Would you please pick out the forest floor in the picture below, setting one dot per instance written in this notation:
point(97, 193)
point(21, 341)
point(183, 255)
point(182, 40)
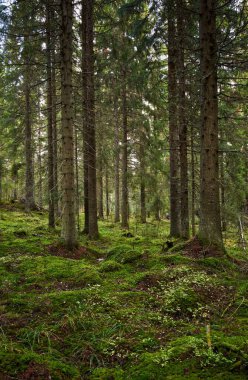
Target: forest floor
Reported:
point(120, 307)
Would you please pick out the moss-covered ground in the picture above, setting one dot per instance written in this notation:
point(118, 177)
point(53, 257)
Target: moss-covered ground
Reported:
point(127, 310)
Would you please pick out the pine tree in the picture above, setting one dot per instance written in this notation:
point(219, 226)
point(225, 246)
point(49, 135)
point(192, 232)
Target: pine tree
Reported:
point(67, 148)
point(210, 221)
point(90, 194)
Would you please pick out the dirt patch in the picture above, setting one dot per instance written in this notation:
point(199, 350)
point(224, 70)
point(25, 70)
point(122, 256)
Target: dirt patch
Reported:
point(11, 324)
point(5, 377)
point(21, 234)
point(241, 264)
point(14, 206)
point(78, 253)
point(59, 286)
point(35, 372)
point(196, 250)
point(149, 281)
point(218, 296)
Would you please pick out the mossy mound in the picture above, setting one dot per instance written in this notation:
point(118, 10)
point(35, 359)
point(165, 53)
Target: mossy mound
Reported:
point(110, 266)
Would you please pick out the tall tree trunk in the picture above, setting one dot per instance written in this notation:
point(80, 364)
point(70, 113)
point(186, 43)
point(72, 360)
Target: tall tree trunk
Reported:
point(210, 220)
point(55, 137)
point(142, 184)
point(100, 190)
point(51, 215)
point(89, 110)
point(222, 186)
point(107, 192)
point(85, 121)
point(15, 180)
point(86, 184)
point(124, 205)
point(77, 180)
point(40, 182)
point(173, 127)
point(117, 163)
point(184, 197)
point(67, 149)
point(193, 187)
point(29, 184)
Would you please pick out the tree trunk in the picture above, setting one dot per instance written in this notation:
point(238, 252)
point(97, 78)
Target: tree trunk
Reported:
point(89, 110)
point(184, 198)
point(51, 215)
point(173, 127)
point(67, 149)
point(55, 137)
point(142, 184)
point(40, 182)
point(210, 220)
point(77, 180)
point(222, 193)
point(117, 163)
point(124, 208)
point(29, 183)
point(193, 187)
point(100, 190)
point(107, 192)
point(85, 122)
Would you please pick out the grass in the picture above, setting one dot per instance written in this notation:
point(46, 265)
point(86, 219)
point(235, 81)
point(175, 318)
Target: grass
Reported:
point(131, 311)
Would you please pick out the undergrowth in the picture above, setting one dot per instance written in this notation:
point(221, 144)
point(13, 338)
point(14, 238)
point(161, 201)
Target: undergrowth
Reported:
point(130, 311)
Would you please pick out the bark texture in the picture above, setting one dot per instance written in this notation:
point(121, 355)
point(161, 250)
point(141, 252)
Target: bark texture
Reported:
point(193, 182)
point(142, 183)
point(124, 188)
point(54, 121)
point(50, 135)
point(67, 149)
point(100, 190)
point(117, 163)
point(29, 178)
point(184, 198)
point(210, 220)
point(107, 192)
point(89, 118)
point(173, 126)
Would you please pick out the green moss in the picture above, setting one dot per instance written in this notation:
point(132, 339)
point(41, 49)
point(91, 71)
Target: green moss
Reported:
point(119, 250)
point(110, 266)
point(175, 259)
point(18, 361)
point(178, 247)
point(215, 263)
point(125, 254)
point(129, 256)
point(139, 314)
point(107, 374)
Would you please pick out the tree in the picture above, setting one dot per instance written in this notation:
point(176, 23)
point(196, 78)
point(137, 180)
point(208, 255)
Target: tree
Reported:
point(210, 220)
point(29, 188)
point(89, 117)
point(67, 148)
point(124, 186)
point(50, 115)
point(173, 126)
point(182, 121)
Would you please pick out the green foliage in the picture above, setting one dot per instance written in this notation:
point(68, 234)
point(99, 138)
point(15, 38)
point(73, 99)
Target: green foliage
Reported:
point(107, 374)
point(124, 254)
point(138, 314)
point(110, 266)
